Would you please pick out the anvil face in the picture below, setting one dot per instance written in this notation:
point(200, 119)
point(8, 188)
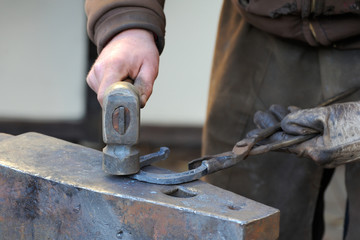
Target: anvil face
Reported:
point(53, 189)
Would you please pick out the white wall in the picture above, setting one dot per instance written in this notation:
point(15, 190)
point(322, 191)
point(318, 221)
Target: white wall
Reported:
point(42, 59)
point(180, 93)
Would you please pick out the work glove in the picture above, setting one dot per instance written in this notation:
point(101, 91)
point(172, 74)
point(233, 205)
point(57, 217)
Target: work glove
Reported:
point(338, 128)
point(273, 116)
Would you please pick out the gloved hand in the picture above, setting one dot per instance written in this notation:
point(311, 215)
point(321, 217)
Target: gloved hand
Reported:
point(339, 138)
point(338, 126)
point(130, 54)
point(269, 118)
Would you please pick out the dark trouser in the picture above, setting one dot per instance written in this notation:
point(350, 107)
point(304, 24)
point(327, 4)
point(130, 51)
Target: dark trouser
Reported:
point(251, 71)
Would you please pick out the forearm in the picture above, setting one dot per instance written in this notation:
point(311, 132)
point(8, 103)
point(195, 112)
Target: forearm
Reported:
point(107, 18)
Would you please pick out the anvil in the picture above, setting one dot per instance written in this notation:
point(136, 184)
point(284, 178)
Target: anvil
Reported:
point(53, 189)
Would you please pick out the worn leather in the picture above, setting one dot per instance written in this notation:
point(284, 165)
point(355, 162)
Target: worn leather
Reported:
point(251, 71)
point(338, 125)
point(332, 23)
point(270, 118)
point(337, 128)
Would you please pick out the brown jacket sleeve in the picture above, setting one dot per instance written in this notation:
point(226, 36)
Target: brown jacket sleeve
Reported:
point(106, 18)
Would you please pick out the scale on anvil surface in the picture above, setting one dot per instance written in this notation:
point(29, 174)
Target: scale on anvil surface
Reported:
point(53, 189)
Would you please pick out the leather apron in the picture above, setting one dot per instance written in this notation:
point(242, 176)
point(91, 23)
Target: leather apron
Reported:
point(251, 71)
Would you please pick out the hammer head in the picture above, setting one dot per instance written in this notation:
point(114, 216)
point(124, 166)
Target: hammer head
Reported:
point(121, 123)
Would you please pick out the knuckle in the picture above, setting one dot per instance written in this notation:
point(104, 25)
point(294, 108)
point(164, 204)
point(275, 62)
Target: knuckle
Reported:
point(98, 69)
point(91, 81)
point(258, 115)
point(276, 108)
point(155, 70)
point(90, 76)
point(100, 98)
point(148, 89)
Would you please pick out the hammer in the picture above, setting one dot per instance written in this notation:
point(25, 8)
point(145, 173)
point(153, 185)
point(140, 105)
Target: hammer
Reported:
point(120, 125)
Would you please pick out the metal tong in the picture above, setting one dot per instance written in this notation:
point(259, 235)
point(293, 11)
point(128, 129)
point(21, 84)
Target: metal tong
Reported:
point(210, 164)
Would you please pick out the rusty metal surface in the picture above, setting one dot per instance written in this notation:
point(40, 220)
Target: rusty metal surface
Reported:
point(121, 125)
point(52, 189)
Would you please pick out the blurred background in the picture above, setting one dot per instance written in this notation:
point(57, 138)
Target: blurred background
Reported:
point(45, 56)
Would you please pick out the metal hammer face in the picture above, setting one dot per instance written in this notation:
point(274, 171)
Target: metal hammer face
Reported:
point(121, 123)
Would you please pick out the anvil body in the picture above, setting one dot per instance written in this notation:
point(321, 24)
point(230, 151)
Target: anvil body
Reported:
point(53, 189)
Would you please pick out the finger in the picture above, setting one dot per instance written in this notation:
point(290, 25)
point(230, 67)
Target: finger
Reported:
point(278, 111)
point(302, 122)
point(108, 79)
point(253, 132)
point(264, 119)
point(92, 81)
point(293, 109)
point(281, 136)
point(105, 71)
point(276, 138)
point(144, 81)
point(295, 129)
